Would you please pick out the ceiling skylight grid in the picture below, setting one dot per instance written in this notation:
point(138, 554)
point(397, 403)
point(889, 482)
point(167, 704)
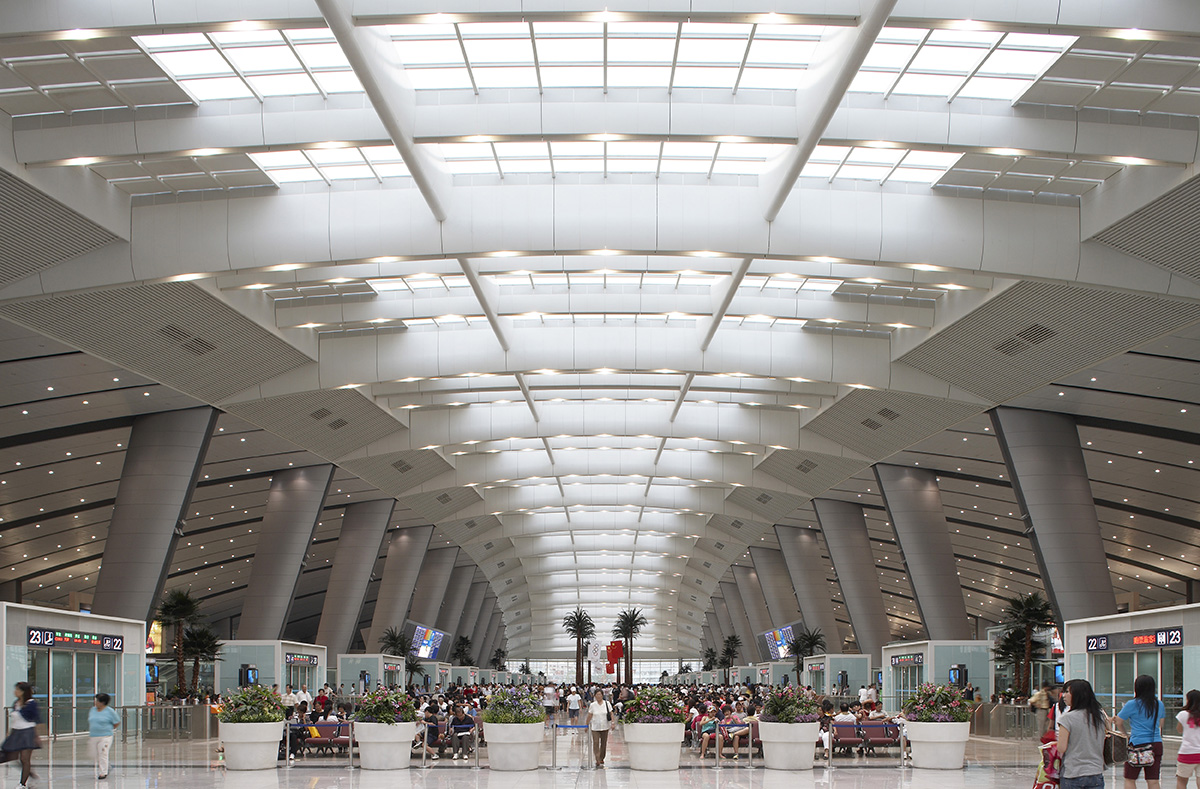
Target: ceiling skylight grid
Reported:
point(254, 63)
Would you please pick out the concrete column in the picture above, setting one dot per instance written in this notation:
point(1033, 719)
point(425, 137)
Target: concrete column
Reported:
point(706, 640)
point(755, 604)
point(741, 622)
point(802, 554)
point(914, 503)
point(293, 507)
point(493, 634)
point(724, 620)
point(470, 613)
point(1050, 479)
point(776, 586)
point(456, 596)
point(845, 530)
point(432, 583)
point(162, 464)
point(364, 525)
point(406, 551)
point(714, 629)
point(483, 618)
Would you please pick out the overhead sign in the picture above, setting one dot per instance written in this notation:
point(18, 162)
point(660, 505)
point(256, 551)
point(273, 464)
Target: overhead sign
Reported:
point(816, 666)
point(914, 659)
point(392, 666)
point(67, 639)
point(777, 642)
point(1136, 639)
point(297, 659)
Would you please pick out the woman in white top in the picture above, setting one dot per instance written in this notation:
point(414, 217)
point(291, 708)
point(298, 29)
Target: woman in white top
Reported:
point(1187, 723)
point(598, 715)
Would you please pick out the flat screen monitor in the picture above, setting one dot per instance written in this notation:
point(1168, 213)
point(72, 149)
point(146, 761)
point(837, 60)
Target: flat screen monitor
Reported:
point(151, 674)
point(777, 642)
point(427, 642)
point(1060, 675)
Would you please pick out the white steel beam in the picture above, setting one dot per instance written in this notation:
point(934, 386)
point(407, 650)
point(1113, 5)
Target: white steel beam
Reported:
point(377, 65)
point(816, 104)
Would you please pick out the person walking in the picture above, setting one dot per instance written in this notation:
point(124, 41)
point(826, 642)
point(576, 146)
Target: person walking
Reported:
point(22, 737)
point(599, 721)
point(1187, 723)
point(1081, 732)
point(103, 720)
point(1040, 704)
point(1142, 716)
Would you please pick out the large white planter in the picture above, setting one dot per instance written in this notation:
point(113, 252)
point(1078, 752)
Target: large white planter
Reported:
point(653, 746)
point(384, 747)
point(251, 746)
point(788, 746)
point(513, 746)
point(938, 746)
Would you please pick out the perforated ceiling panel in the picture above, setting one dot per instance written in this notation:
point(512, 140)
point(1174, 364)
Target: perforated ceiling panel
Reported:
point(877, 423)
point(1163, 232)
point(37, 231)
point(331, 423)
point(397, 472)
point(172, 332)
point(1035, 332)
point(770, 504)
point(812, 472)
point(438, 505)
point(741, 529)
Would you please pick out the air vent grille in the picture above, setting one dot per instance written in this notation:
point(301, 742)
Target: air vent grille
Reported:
point(338, 424)
point(889, 414)
point(321, 413)
point(443, 498)
point(403, 466)
point(806, 467)
point(737, 524)
point(471, 524)
point(720, 546)
point(487, 546)
point(851, 420)
point(763, 498)
point(871, 424)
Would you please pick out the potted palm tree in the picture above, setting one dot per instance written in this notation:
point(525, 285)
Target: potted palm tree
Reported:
point(628, 627)
point(513, 721)
point(580, 627)
point(383, 726)
point(789, 727)
point(179, 609)
point(461, 655)
point(709, 660)
point(1026, 614)
point(938, 724)
point(200, 644)
point(251, 728)
point(653, 726)
point(396, 643)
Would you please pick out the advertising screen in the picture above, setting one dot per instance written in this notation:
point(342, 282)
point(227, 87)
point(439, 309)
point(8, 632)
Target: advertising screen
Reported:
point(427, 642)
point(777, 642)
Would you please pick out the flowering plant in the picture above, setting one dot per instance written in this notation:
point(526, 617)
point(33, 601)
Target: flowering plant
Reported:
point(937, 704)
point(787, 705)
point(254, 704)
point(655, 705)
point(385, 706)
point(513, 705)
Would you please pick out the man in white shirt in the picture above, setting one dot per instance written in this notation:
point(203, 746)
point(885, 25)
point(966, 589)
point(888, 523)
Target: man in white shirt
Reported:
point(862, 694)
point(573, 702)
point(550, 702)
point(304, 695)
point(288, 699)
point(598, 723)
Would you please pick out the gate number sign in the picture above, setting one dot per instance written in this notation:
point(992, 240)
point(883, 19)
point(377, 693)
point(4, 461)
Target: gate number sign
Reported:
point(1143, 639)
point(65, 639)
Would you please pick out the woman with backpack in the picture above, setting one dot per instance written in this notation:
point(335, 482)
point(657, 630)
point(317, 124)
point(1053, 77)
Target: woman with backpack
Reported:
point(1143, 715)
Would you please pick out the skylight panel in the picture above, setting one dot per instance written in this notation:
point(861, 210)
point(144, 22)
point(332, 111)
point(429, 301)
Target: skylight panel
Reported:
point(283, 84)
point(577, 149)
point(642, 29)
point(254, 59)
point(770, 78)
point(912, 35)
point(572, 77)
point(781, 52)
point(1038, 41)
point(347, 172)
point(716, 30)
point(174, 41)
point(935, 159)
point(465, 150)
point(829, 153)
point(506, 77)
point(194, 63)
point(638, 76)
point(320, 56)
point(860, 172)
point(879, 156)
point(823, 285)
point(272, 159)
point(579, 165)
point(640, 50)
point(928, 84)
point(954, 60)
point(309, 34)
point(889, 56)
point(471, 166)
point(994, 88)
point(725, 166)
point(978, 38)
point(1017, 62)
point(338, 81)
point(432, 52)
point(381, 153)
point(298, 174)
point(711, 50)
point(872, 82)
point(324, 156)
point(221, 88)
point(686, 165)
point(692, 77)
point(391, 170)
point(632, 165)
point(482, 52)
point(439, 78)
point(569, 50)
point(818, 170)
point(516, 165)
point(247, 37)
point(635, 149)
point(507, 150)
point(689, 149)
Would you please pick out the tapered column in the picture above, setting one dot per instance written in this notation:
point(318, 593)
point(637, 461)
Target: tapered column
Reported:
point(724, 620)
point(364, 525)
point(431, 585)
point(162, 464)
point(741, 622)
point(707, 640)
point(802, 554)
point(455, 598)
point(914, 503)
point(845, 530)
point(406, 551)
point(470, 613)
point(776, 586)
point(493, 633)
point(482, 620)
point(714, 627)
point(293, 508)
point(755, 604)
point(1050, 479)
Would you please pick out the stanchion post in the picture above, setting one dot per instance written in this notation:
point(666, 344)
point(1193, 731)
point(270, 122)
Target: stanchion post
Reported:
point(553, 745)
point(424, 743)
point(350, 748)
point(478, 740)
point(287, 744)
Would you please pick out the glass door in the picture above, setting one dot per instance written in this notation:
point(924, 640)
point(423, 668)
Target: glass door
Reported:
point(39, 678)
point(85, 687)
point(62, 691)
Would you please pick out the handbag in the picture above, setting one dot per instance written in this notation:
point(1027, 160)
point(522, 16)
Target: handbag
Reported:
point(1140, 755)
point(608, 712)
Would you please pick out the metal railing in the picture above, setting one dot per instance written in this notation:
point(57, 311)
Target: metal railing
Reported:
point(149, 721)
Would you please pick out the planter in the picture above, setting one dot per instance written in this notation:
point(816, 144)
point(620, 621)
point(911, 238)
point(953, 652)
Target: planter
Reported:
point(653, 746)
point(788, 746)
point(384, 747)
point(938, 746)
point(251, 746)
point(514, 746)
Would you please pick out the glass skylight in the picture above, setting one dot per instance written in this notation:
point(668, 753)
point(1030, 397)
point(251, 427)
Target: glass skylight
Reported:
point(254, 63)
point(702, 158)
point(332, 163)
point(953, 63)
point(878, 164)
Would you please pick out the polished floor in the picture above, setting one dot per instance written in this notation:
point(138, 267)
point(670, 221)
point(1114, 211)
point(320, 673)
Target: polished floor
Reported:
point(63, 764)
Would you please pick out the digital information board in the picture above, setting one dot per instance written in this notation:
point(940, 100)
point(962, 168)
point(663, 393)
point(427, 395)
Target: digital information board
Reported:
point(777, 642)
point(1136, 639)
point(427, 642)
point(298, 659)
point(915, 659)
point(66, 639)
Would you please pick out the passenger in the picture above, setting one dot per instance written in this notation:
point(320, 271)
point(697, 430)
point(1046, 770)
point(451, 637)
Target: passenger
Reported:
point(22, 737)
point(1187, 723)
point(1143, 714)
point(462, 732)
point(1081, 738)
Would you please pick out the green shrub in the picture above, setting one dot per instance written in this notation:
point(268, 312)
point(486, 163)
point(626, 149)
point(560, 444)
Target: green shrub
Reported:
point(254, 704)
point(513, 705)
point(385, 706)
